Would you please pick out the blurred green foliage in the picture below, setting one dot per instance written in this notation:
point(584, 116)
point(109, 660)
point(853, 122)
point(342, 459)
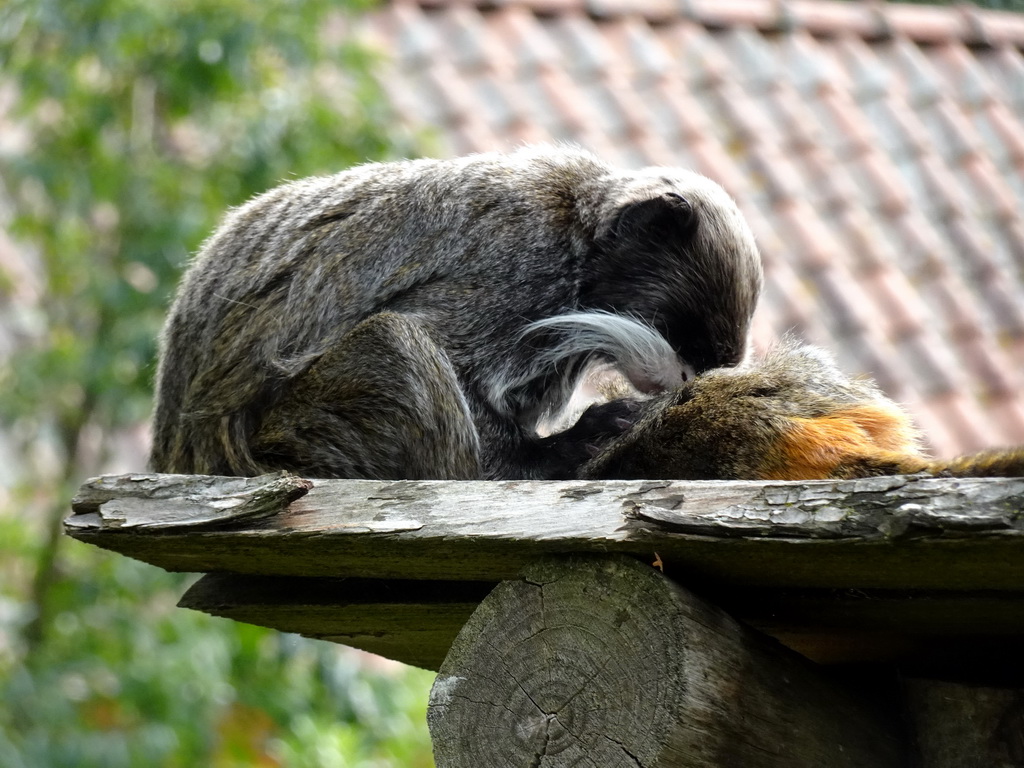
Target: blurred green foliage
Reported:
point(148, 119)
point(127, 679)
point(129, 127)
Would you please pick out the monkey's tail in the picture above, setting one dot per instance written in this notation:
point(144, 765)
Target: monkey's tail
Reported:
point(997, 462)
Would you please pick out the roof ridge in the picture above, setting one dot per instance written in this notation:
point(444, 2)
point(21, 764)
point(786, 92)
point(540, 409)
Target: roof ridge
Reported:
point(870, 19)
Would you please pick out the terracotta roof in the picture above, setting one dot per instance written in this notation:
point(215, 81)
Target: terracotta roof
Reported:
point(878, 151)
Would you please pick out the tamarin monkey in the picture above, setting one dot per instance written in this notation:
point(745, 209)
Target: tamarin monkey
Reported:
point(416, 319)
point(791, 416)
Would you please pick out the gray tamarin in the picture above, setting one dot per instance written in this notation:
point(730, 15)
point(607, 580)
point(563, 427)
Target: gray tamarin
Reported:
point(416, 319)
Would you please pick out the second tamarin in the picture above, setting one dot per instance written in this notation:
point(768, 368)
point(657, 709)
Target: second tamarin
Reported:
point(416, 319)
point(793, 415)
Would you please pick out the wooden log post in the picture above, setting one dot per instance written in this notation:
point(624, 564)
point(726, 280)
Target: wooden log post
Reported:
point(602, 661)
point(925, 572)
point(966, 726)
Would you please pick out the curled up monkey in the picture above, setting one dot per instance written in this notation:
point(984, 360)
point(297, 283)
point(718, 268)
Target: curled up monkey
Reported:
point(791, 416)
point(417, 319)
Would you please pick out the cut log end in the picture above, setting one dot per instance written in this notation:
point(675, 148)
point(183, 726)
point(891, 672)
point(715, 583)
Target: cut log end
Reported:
point(555, 672)
point(605, 662)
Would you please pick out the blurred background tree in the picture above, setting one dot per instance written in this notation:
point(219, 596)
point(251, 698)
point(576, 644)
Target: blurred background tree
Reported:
point(127, 127)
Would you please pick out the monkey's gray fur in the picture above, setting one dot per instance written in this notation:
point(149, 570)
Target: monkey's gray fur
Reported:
point(415, 319)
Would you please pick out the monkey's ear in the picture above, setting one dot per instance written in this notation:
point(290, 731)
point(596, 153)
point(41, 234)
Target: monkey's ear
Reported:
point(668, 215)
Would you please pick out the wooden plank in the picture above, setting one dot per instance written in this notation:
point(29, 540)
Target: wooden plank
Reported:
point(971, 635)
point(974, 635)
point(604, 662)
point(188, 502)
point(783, 532)
point(870, 533)
point(922, 612)
point(414, 622)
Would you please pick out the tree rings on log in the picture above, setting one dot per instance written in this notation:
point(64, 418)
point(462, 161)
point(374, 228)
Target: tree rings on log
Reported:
point(604, 662)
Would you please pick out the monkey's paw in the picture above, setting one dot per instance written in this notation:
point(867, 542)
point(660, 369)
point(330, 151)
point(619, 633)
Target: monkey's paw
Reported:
point(567, 451)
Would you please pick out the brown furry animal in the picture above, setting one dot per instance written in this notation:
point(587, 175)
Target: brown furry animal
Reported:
point(792, 416)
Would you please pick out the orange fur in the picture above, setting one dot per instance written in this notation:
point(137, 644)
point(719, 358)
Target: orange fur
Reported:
point(885, 423)
point(819, 447)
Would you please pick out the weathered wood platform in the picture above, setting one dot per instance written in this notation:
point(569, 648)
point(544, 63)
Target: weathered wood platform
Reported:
point(898, 568)
point(560, 642)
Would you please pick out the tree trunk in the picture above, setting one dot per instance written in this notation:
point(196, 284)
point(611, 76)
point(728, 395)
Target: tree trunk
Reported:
point(961, 726)
point(604, 662)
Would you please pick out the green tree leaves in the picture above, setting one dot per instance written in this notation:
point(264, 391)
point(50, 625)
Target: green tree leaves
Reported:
point(127, 127)
point(144, 121)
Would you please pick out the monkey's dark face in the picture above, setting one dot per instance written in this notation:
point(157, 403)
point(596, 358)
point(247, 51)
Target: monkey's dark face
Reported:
point(685, 263)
